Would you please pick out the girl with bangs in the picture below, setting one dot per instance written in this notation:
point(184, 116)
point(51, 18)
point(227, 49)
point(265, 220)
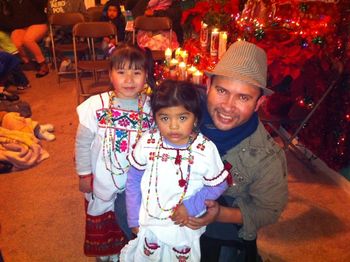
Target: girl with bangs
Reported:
point(110, 124)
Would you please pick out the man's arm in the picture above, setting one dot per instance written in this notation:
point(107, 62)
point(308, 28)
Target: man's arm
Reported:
point(215, 212)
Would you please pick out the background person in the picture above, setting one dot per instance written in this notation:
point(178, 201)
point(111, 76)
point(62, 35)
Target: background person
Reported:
point(29, 30)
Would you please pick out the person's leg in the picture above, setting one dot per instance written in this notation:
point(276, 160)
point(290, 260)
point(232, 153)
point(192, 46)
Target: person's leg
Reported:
point(17, 37)
point(121, 216)
point(32, 36)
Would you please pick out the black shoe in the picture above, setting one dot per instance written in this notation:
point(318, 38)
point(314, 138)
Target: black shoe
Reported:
point(4, 95)
point(43, 70)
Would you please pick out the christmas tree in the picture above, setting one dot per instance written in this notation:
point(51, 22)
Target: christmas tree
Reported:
point(307, 43)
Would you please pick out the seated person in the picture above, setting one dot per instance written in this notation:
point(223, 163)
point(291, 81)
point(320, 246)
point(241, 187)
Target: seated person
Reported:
point(29, 30)
point(11, 74)
point(112, 13)
point(169, 8)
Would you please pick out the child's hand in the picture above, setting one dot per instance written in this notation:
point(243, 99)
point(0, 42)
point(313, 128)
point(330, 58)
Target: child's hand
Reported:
point(85, 184)
point(135, 230)
point(180, 216)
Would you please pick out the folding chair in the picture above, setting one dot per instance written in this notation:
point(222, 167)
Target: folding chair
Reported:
point(94, 13)
point(153, 24)
point(64, 21)
point(93, 32)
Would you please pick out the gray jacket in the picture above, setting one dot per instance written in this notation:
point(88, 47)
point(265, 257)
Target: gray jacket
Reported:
point(259, 170)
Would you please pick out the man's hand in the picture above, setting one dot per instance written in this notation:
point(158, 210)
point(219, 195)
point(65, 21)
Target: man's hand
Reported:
point(135, 230)
point(180, 216)
point(213, 210)
point(85, 184)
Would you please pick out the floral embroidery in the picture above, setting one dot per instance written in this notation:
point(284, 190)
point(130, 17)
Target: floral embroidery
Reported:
point(151, 155)
point(124, 122)
point(151, 141)
point(120, 120)
point(191, 160)
point(201, 146)
point(182, 255)
point(149, 248)
point(165, 157)
point(134, 116)
point(124, 146)
point(120, 133)
point(116, 113)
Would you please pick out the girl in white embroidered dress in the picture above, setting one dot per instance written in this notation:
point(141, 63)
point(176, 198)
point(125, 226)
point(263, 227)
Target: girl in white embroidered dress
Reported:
point(169, 165)
point(109, 126)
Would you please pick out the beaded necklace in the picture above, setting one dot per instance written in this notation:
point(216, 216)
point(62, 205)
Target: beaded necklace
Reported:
point(108, 148)
point(182, 182)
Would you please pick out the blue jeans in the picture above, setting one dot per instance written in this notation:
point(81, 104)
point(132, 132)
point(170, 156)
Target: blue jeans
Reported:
point(120, 214)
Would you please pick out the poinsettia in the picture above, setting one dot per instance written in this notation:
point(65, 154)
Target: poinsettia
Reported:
point(215, 13)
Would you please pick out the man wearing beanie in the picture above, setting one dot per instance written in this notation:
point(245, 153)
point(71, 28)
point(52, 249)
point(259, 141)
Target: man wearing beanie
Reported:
point(258, 189)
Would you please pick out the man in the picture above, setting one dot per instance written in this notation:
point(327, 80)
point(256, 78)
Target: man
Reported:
point(258, 191)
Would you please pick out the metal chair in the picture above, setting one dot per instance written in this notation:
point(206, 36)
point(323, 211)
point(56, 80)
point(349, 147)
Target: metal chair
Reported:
point(97, 62)
point(94, 13)
point(64, 21)
point(153, 24)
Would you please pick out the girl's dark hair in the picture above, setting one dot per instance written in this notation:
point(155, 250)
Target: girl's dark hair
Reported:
point(177, 93)
point(138, 59)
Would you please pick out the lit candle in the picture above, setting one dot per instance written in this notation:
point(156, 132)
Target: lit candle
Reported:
point(191, 70)
point(184, 56)
point(197, 77)
point(173, 68)
point(222, 43)
point(178, 53)
point(204, 35)
point(168, 55)
point(182, 71)
point(214, 42)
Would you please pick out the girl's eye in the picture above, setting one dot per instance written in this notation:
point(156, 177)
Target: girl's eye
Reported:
point(164, 118)
point(120, 72)
point(183, 118)
point(137, 72)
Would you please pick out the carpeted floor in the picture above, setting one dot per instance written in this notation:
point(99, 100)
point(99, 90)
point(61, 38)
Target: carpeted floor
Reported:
point(42, 217)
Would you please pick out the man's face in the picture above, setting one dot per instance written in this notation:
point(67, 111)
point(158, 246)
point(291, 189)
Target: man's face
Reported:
point(231, 102)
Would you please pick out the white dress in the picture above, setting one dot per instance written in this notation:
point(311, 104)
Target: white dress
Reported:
point(115, 132)
point(170, 176)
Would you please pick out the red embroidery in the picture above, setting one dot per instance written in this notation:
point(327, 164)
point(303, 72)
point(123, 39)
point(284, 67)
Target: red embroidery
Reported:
point(201, 146)
point(151, 155)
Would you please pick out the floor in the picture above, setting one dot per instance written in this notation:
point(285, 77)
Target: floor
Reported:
point(42, 216)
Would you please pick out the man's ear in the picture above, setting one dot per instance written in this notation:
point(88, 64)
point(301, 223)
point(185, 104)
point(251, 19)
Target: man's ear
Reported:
point(209, 81)
point(259, 102)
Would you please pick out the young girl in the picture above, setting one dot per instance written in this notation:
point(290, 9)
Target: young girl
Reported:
point(109, 125)
point(171, 165)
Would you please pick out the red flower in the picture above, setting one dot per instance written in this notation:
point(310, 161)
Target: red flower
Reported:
point(134, 116)
point(123, 146)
